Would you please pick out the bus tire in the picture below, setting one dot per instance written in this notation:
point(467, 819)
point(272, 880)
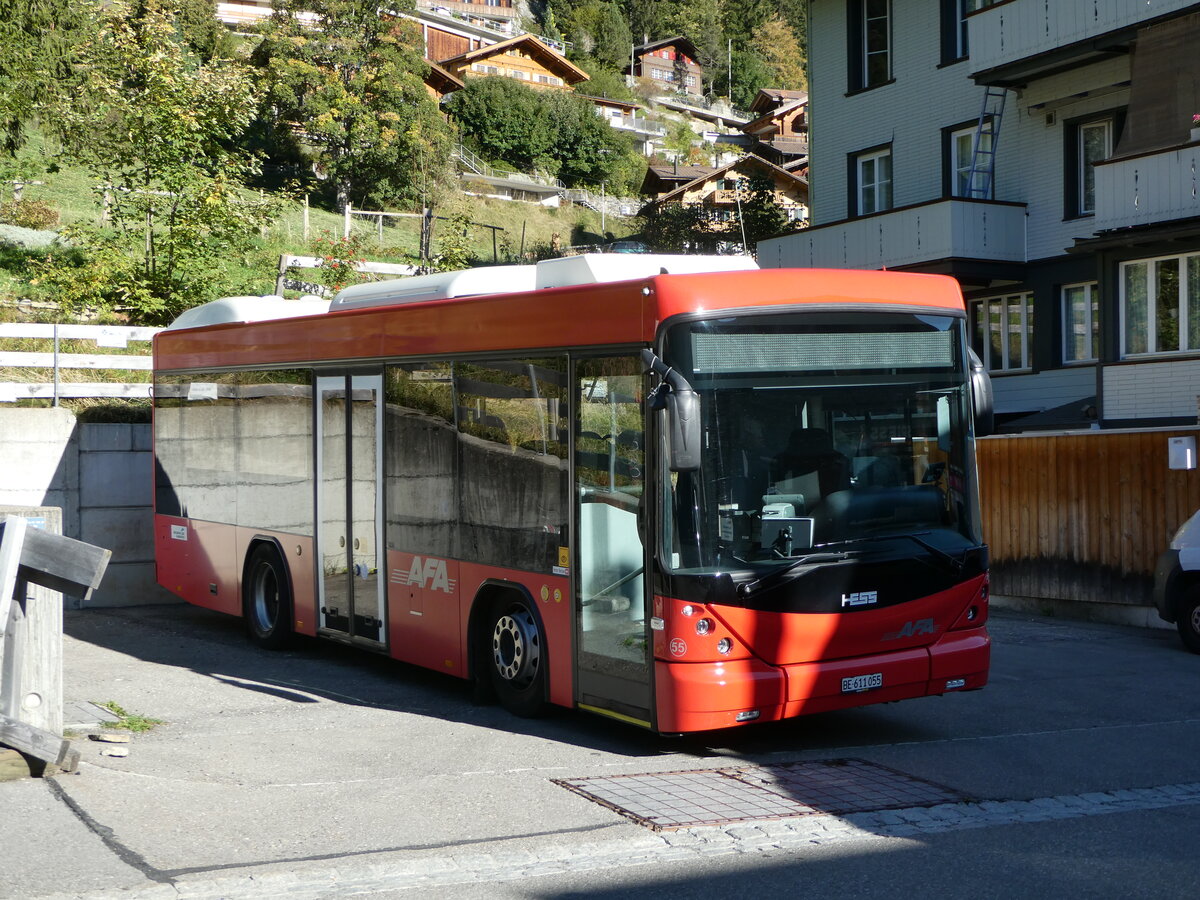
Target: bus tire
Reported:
point(267, 599)
point(1187, 618)
point(516, 656)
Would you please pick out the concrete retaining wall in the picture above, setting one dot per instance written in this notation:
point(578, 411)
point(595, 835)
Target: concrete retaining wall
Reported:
point(101, 476)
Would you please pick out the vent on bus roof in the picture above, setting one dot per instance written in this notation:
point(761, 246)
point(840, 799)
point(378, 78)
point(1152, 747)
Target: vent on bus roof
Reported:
point(597, 268)
point(439, 286)
point(590, 268)
point(248, 309)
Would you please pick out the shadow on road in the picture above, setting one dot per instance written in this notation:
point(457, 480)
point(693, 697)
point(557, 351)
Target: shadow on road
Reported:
point(214, 645)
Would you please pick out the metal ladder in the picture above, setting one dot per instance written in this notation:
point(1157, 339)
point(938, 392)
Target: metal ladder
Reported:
point(983, 158)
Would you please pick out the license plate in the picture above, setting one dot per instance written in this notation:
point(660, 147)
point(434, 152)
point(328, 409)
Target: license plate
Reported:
point(862, 683)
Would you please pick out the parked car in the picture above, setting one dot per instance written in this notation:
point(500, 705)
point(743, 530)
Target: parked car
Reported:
point(1177, 583)
point(626, 247)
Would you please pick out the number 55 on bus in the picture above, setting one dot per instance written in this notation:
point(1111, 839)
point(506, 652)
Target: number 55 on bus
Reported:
point(678, 491)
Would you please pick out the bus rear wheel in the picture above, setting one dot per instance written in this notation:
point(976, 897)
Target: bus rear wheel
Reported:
point(516, 657)
point(266, 599)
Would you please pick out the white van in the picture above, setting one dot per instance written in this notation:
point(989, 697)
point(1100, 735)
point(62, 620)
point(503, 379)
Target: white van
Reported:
point(1177, 583)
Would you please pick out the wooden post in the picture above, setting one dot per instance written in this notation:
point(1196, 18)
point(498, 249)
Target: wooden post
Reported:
point(36, 563)
point(31, 671)
point(305, 221)
point(283, 262)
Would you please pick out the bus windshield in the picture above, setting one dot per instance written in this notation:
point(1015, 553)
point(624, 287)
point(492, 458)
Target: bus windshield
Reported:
point(823, 433)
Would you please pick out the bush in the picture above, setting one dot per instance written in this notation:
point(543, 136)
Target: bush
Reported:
point(36, 214)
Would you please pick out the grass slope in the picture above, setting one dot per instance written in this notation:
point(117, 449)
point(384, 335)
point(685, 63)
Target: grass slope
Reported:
point(527, 228)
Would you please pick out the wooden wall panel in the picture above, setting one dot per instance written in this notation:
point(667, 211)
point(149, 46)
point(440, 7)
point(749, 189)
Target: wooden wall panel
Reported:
point(1082, 516)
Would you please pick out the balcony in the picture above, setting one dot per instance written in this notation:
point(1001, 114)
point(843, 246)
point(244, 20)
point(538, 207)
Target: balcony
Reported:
point(1148, 188)
point(1017, 41)
point(928, 236)
point(470, 10)
point(637, 124)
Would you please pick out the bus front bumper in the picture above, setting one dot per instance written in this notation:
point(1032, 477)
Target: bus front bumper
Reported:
point(711, 695)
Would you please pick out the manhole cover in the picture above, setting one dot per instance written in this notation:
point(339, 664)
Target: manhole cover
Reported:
point(664, 800)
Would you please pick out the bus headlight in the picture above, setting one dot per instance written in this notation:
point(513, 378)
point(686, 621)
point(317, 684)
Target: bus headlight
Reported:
point(704, 626)
point(724, 645)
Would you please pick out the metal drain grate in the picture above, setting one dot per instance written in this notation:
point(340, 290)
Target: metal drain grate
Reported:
point(665, 800)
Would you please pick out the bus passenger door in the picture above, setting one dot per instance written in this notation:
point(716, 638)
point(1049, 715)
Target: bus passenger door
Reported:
point(613, 661)
point(349, 414)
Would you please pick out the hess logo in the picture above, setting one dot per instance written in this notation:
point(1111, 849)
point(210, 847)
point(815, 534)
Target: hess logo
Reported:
point(426, 573)
point(861, 598)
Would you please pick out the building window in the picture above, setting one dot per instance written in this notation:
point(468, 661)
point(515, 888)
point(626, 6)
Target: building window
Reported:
point(1088, 141)
point(877, 42)
point(1002, 331)
point(954, 30)
point(873, 177)
point(1160, 305)
point(1081, 322)
point(1095, 145)
point(869, 31)
point(959, 158)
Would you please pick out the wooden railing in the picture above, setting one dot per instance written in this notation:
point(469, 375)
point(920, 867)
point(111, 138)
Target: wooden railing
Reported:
point(107, 336)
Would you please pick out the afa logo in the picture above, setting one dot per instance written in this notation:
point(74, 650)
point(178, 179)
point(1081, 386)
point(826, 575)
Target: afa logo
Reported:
point(426, 573)
point(911, 629)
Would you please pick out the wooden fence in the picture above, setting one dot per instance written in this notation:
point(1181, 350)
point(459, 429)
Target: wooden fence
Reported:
point(110, 336)
point(1082, 516)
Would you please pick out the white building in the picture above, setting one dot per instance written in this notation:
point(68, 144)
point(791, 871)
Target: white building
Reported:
point(1077, 240)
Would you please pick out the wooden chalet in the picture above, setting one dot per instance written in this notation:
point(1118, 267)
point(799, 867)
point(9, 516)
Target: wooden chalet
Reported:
point(662, 180)
point(671, 64)
point(439, 82)
point(721, 190)
point(524, 58)
point(781, 129)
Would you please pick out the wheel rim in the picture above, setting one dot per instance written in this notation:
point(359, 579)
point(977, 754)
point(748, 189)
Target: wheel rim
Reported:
point(516, 653)
point(1195, 620)
point(265, 597)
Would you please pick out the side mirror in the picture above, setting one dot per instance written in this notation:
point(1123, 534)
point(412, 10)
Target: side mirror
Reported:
point(683, 420)
point(682, 404)
point(981, 397)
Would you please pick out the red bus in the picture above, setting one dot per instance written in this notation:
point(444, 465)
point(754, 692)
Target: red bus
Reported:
point(679, 491)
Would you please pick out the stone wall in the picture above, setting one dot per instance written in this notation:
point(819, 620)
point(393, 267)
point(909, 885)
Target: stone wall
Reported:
point(101, 478)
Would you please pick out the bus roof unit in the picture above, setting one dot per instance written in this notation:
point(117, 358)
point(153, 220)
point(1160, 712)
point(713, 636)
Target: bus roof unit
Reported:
point(567, 271)
point(248, 309)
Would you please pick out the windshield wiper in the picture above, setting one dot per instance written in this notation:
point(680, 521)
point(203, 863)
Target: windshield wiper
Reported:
point(746, 588)
point(955, 563)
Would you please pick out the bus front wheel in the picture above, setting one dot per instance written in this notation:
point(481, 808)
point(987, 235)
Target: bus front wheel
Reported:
point(266, 599)
point(516, 657)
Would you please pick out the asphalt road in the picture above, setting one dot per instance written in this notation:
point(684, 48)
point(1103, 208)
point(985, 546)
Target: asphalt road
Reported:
point(324, 772)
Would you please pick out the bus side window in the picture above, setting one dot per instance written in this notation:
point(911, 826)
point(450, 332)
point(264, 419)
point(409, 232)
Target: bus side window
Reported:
point(512, 459)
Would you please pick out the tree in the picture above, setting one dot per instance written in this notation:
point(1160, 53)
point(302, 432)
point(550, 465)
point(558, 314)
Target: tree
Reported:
point(553, 131)
point(350, 79)
point(503, 120)
point(603, 81)
point(39, 41)
point(762, 216)
point(613, 38)
point(776, 45)
point(157, 128)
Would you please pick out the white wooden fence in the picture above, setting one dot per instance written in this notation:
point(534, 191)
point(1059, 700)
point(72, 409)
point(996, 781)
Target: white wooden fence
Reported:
point(110, 336)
